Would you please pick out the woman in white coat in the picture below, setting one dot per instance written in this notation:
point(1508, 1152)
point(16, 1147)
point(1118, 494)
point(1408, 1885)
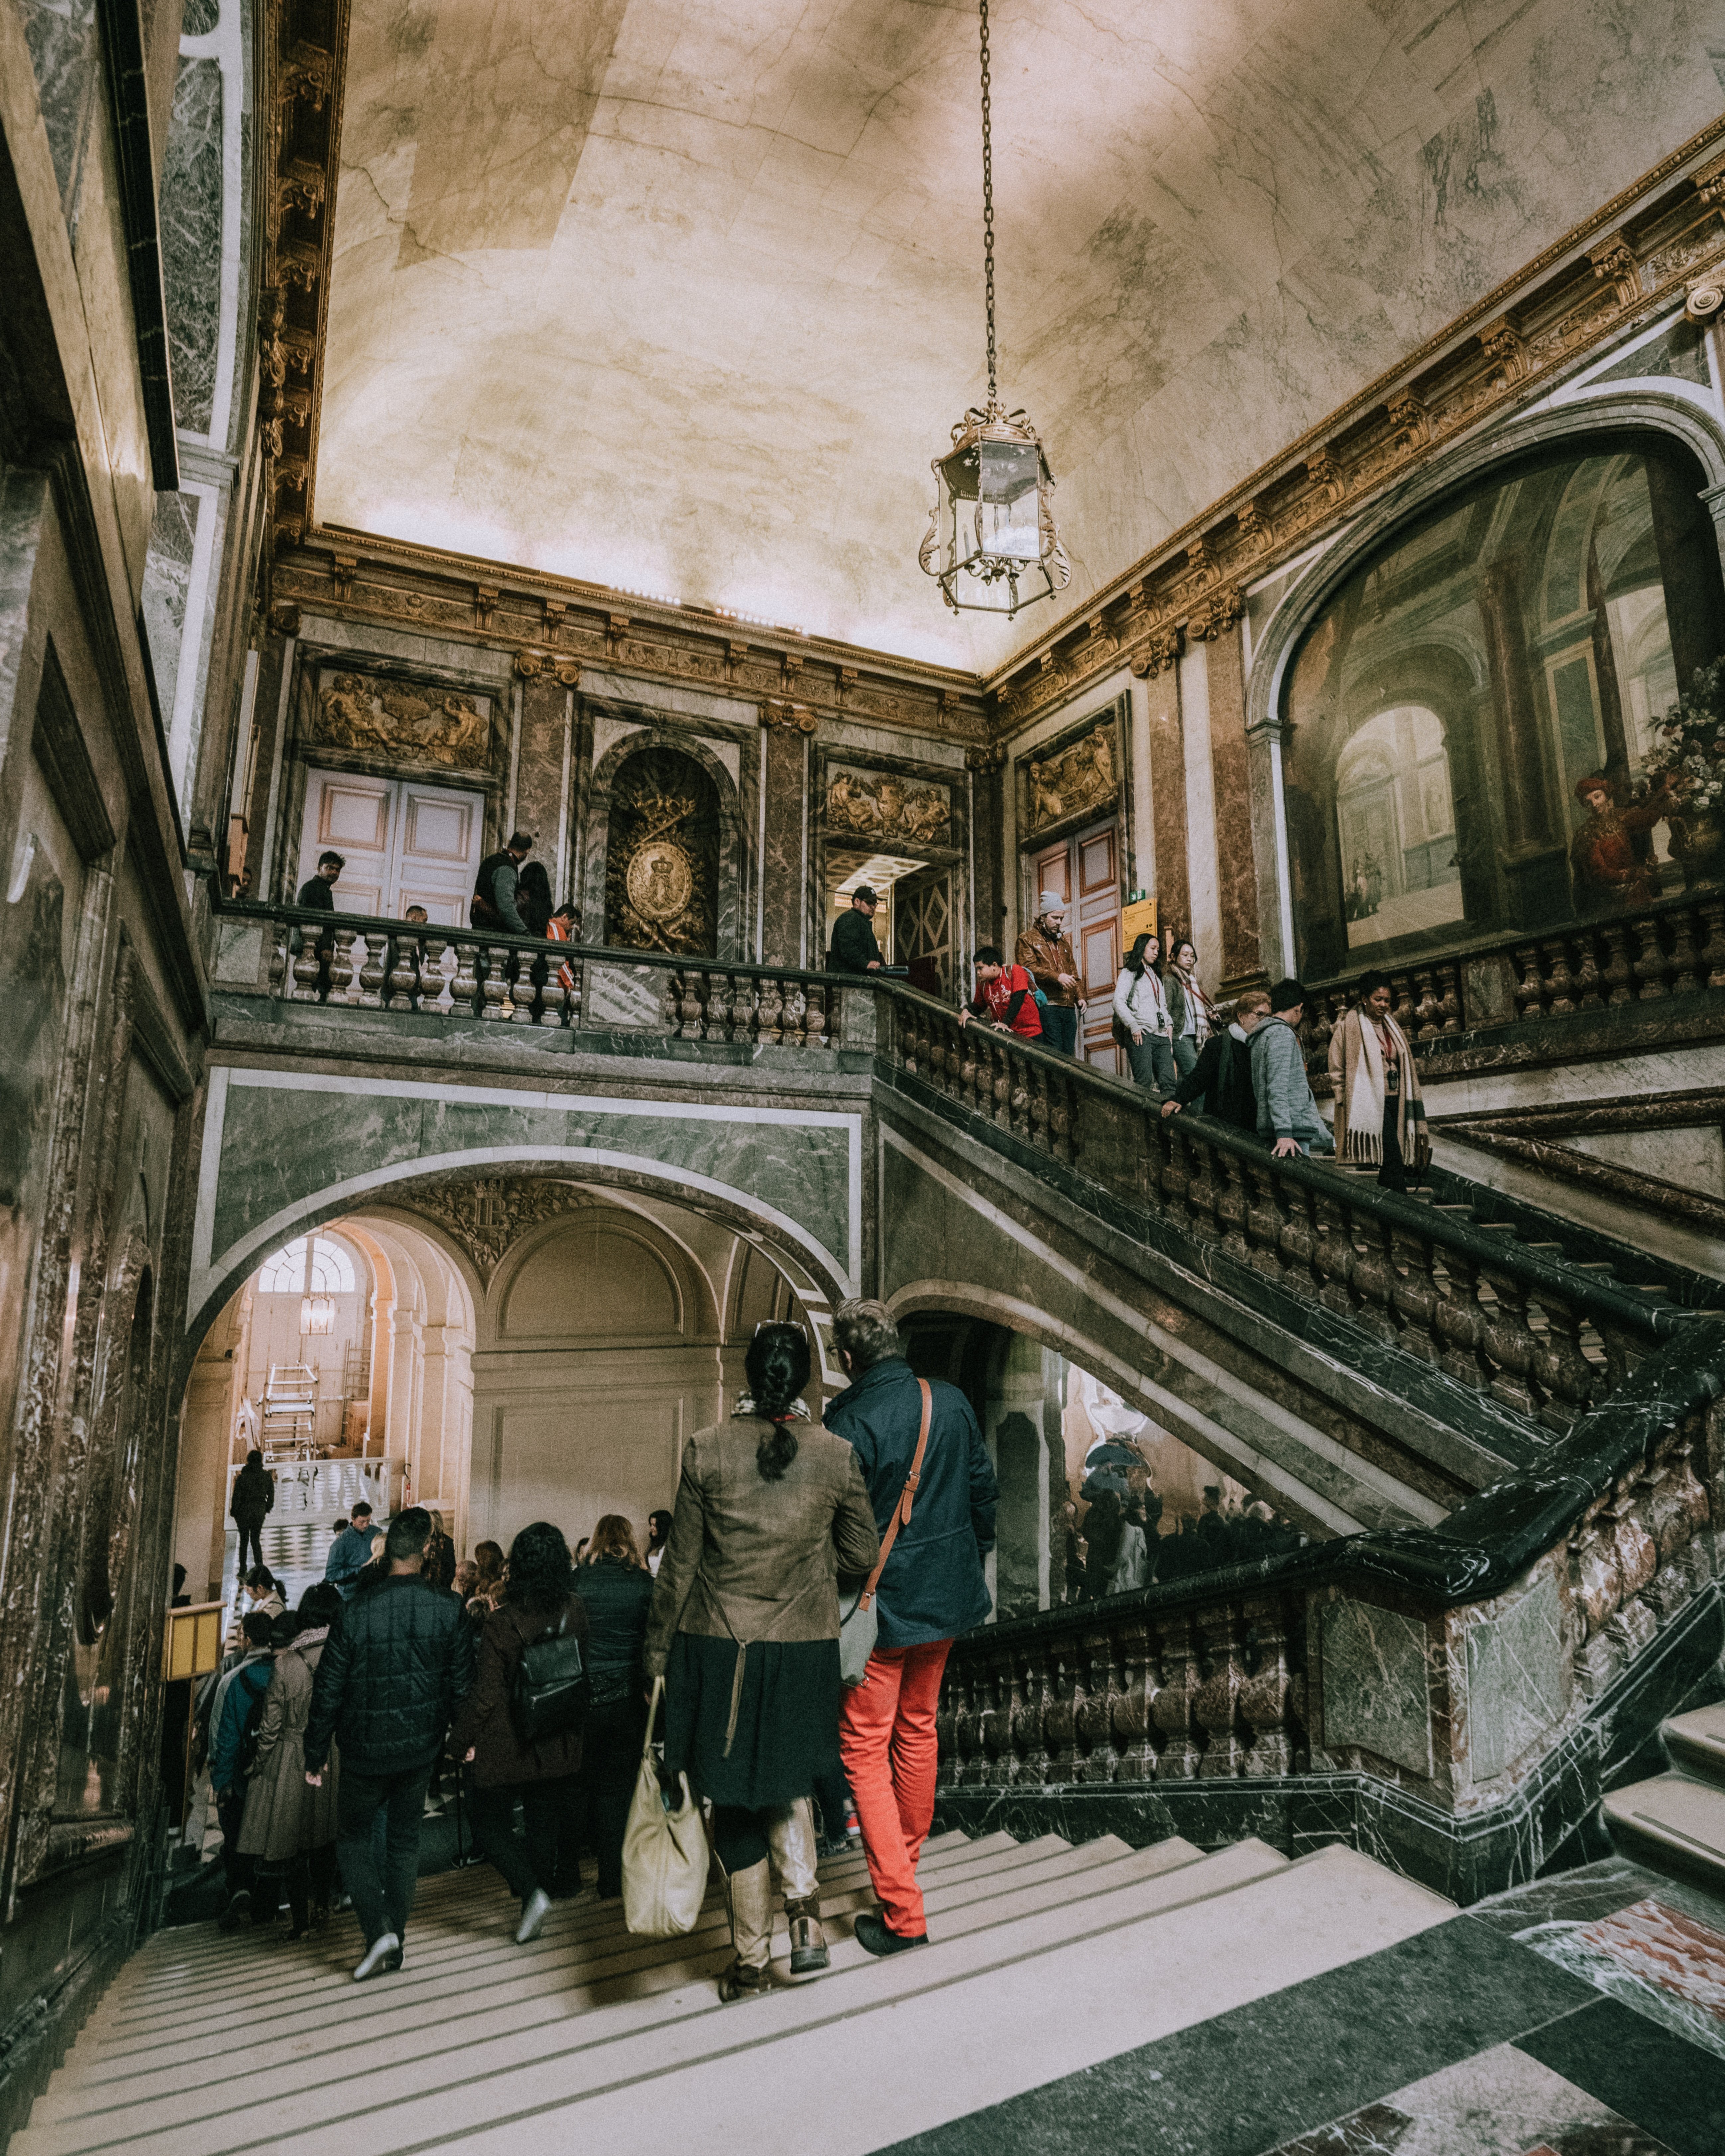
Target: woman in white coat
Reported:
point(1380, 1116)
point(1142, 1024)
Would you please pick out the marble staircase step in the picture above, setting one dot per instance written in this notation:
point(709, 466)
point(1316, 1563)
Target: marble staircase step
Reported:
point(1697, 1743)
point(1673, 1822)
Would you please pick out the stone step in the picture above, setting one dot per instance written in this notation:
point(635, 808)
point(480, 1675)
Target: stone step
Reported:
point(1673, 1822)
point(407, 2100)
point(1697, 1743)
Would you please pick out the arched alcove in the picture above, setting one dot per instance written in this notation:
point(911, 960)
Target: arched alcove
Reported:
point(659, 792)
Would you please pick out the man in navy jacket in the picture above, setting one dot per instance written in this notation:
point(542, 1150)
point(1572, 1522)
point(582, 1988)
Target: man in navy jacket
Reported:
point(933, 1588)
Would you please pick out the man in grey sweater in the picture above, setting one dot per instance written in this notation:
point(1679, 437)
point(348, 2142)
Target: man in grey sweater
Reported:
point(1287, 1113)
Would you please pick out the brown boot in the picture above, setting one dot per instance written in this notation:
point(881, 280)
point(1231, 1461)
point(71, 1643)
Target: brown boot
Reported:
point(748, 1898)
point(809, 1942)
point(791, 1839)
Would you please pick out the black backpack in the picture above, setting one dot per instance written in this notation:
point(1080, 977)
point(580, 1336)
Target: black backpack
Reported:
point(552, 1690)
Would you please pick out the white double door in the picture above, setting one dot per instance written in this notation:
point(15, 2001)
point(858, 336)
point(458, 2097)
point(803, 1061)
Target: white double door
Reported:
point(405, 843)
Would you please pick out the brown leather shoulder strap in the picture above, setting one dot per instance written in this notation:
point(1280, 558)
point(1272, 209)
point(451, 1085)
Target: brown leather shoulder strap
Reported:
point(907, 1497)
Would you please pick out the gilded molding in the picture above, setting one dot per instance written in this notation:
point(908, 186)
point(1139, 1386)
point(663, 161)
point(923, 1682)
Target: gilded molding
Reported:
point(1618, 271)
point(775, 711)
point(529, 664)
point(1159, 653)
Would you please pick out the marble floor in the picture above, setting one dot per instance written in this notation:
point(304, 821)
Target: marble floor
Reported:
point(1582, 2016)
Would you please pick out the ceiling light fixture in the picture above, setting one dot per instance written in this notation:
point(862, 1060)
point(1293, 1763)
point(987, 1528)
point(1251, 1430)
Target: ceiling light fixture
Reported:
point(992, 525)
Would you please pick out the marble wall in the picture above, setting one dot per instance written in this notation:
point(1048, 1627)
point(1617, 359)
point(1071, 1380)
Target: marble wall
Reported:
point(191, 239)
point(62, 38)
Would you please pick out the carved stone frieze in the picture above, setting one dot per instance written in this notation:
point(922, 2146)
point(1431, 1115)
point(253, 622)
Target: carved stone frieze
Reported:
point(1082, 777)
point(1218, 615)
point(878, 805)
point(1159, 652)
point(368, 714)
point(484, 1218)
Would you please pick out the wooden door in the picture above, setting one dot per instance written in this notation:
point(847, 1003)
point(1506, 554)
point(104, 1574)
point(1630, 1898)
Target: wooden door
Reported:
point(404, 844)
point(1095, 939)
point(923, 927)
point(1084, 873)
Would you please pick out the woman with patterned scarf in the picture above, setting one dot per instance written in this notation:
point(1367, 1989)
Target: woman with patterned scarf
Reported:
point(1379, 1115)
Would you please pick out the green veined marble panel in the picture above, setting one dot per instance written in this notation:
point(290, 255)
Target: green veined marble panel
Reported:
point(1516, 1681)
point(1375, 1684)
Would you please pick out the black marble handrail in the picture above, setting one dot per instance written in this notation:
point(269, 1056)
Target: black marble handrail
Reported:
point(1485, 1543)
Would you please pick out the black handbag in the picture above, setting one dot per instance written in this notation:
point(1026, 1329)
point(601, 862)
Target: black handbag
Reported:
point(552, 1690)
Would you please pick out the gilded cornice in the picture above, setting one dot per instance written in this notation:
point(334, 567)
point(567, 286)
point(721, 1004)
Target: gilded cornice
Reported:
point(1618, 271)
point(302, 48)
point(557, 626)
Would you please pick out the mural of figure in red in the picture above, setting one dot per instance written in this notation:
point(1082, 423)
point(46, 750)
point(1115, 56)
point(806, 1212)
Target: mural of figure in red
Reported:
point(1606, 862)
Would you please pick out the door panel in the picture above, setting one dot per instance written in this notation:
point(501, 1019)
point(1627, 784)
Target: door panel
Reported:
point(404, 844)
point(923, 925)
point(1097, 940)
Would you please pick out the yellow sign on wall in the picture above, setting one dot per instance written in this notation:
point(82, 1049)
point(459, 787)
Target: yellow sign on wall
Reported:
point(1138, 919)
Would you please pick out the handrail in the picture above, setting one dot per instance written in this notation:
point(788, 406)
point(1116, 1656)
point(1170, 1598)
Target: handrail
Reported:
point(1595, 1299)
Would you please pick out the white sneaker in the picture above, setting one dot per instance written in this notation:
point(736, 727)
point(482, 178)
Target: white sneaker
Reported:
point(375, 1954)
point(534, 1911)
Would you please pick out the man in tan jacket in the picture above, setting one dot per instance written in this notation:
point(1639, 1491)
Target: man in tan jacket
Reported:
point(1044, 951)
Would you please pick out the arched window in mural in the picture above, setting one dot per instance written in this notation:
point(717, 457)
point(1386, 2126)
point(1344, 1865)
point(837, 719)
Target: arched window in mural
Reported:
point(662, 856)
point(1513, 714)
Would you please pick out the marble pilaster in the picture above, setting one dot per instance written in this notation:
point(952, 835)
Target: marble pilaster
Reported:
point(167, 579)
point(64, 52)
point(1236, 866)
point(784, 848)
point(1168, 794)
point(191, 239)
point(539, 772)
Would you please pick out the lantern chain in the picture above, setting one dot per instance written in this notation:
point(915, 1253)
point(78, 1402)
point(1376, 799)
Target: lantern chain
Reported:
point(988, 199)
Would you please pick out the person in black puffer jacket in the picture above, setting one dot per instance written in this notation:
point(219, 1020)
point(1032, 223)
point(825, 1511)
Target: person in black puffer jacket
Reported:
point(617, 1589)
point(391, 1678)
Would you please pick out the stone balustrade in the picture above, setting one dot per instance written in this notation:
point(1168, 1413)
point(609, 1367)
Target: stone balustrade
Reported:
point(462, 975)
point(1508, 1321)
point(1675, 949)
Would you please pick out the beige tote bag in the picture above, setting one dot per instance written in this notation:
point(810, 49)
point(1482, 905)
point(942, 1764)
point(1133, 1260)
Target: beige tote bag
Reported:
point(665, 1853)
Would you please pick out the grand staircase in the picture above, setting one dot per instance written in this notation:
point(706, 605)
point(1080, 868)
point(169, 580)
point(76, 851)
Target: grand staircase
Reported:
point(1046, 1959)
point(1675, 1822)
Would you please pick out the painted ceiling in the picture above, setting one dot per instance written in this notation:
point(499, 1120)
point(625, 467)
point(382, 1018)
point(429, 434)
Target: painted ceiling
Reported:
point(681, 297)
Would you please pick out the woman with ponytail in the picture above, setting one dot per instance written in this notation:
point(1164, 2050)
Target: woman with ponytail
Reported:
point(771, 1512)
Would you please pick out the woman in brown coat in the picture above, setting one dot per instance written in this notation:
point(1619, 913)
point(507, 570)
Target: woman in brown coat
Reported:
point(744, 1630)
point(1380, 1116)
point(288, 1826)
point(538, 1598)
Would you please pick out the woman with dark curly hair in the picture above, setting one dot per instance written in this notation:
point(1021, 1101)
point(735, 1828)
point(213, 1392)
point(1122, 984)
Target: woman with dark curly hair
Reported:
point(744, 1630)
point(538, 1598)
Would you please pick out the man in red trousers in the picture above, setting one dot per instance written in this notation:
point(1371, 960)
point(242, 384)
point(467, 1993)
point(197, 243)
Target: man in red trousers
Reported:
point(932, 1588)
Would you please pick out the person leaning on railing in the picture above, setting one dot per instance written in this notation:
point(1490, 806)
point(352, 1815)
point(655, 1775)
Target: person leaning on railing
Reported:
point(1287, 1113)
point(1004, 996)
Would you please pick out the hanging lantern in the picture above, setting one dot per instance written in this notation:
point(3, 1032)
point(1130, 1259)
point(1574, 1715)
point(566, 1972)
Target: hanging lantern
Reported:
point(990, 543)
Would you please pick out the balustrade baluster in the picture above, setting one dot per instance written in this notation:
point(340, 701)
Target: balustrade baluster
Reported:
point(1616, 972)
point(1097, 1761)
point(692, 1016)
point(1215, 1699)
point(1652, 967)
point(1134, 1707)
point(768, 1014)
point(1405, 1010)
point(945, 1718)
point(1266, 1699)
point(342, 989)
point(1299, 1237)
point(1686, 958)
point(814, 1025)
point(796, 1005)
point(1036, 1083)
point(1062, 1116)
point(745, 1009)
point(1265, 1219)
point(1178, 1755)
point(995, 1720)
point(500, 1003)
point(464, 987)
point(1323, 1024)
point(1453, 1016)
point(1530, 989)
point(1332, 1258)
point(1460, 1322)
point(1425, 1010)
point(967, 1736)
point(551, 998)
point(1059, 1711)
point(431, 986)
point(403, 976)
point(1028, 1744)
point(718, 1006)
point(1415, 1295)
point(1203, 1194)
point(1563, 1371)
point(1018, 1096)
point(1559, 985)
point(577, 981)
point(1373, 1279)
point(1508, 1341)
point(1233, 1201)
point(999, 1080)
point(278, 959)
point(308, 965)
point(1588, 980)
point(372, 972)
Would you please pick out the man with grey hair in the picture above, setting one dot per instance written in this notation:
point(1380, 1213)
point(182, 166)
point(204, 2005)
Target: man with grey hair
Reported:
point(1044, 951)
point(932, 1588)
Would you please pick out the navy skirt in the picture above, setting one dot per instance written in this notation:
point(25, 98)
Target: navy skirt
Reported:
point(787, 1730)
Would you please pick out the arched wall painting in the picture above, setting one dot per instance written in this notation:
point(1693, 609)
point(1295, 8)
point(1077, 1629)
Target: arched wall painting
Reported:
point(662, 856)
point(1513, 715)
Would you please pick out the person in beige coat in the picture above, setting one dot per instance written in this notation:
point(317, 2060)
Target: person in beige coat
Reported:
point(1379, 1114)
point(289, 1826)
point(744, 1630)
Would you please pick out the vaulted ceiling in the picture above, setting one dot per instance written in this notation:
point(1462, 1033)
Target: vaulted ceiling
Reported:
point(681, 297)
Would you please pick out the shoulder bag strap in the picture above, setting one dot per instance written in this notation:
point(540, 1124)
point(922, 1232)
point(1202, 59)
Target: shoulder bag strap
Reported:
point(907, 1495)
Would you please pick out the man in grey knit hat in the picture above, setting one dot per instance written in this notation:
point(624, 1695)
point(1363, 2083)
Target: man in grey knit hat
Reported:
point(1044, 951)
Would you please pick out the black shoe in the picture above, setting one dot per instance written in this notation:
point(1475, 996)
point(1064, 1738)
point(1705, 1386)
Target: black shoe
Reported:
point(238, 1907)
point(874, 1938)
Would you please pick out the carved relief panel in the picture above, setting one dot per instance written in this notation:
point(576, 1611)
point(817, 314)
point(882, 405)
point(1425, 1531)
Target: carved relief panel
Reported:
point(1074, 778)
point(880, 806)
point(418, 722)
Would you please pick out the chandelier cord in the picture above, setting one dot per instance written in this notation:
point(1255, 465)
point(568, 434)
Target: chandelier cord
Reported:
point(988, 199)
